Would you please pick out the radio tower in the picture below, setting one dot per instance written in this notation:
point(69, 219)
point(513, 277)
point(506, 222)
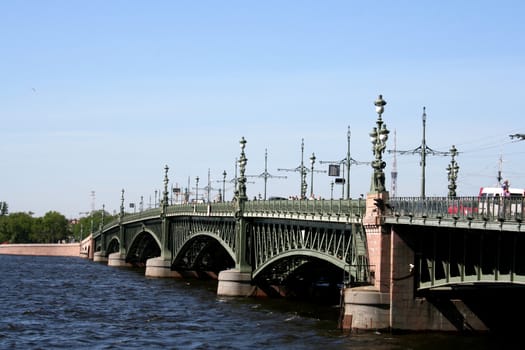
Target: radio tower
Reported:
point(393, 174)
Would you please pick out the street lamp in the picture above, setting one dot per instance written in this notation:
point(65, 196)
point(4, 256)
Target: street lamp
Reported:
point(452, 171)
point(197, 189)
point(241, 182)
point(224, 186)
point(378, 137)
point(312, 162)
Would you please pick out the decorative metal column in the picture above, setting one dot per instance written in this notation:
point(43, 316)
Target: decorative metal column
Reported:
point(164, 251)
point(122, 236)
point(452, 171)
point(242, 260)
point(379, 136)
point(224, 186)
point(312, 162)
point(102, 236)
point(238, 281)
point(197, 189)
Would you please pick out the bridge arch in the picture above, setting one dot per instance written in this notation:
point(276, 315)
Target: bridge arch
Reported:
point(305, 254)
point(204, 251)
point(113, 246)
point(303, 274)
point(144, 245)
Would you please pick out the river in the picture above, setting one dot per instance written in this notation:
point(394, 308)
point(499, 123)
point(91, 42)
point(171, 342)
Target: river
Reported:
point(73, 303)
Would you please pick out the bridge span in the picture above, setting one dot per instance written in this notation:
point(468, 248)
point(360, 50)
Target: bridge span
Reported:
point(401, 263)
point(443, 264)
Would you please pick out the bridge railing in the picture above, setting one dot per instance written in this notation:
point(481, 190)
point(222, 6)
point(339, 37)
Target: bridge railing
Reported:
point(341, 207)
point(469, 208)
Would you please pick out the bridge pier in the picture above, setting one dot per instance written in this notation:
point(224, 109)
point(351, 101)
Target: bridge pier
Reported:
point(235, 283)
point(366, 308)
point(160, 267)
point(100, 257)
point(117, 259)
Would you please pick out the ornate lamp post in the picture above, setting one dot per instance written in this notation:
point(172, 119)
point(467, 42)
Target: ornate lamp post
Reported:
point(197, 189)
point(378, 137)
point(224, 186)
point(241, 182)
point(121, 205)
point(165, 193)
point(312, 162)
point(452, 171)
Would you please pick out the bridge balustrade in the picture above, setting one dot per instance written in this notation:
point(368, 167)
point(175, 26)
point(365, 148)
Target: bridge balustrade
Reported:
point(339, 208)
point(467, 208)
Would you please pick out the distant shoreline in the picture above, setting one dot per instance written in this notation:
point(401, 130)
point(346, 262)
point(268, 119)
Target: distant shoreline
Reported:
point(41, 249)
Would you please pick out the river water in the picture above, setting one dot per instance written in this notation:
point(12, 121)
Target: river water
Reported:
point(73, 303)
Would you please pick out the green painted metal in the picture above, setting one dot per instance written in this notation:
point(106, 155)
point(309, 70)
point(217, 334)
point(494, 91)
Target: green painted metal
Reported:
point(462, 259)
point(379, 136)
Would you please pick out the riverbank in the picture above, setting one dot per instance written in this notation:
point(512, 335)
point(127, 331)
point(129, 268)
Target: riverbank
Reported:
point(53, 249)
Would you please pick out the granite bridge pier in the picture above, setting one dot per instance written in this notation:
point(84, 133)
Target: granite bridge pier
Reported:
point(426, 263)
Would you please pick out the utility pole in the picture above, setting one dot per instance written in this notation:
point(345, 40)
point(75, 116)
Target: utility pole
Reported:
point(393, 173)
point(423, 150)
point(347, 161)
point(266, 175)
point(92, 202)
point(208, 187)
point(302, 171)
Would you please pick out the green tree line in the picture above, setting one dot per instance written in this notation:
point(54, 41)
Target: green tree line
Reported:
point(53, 227)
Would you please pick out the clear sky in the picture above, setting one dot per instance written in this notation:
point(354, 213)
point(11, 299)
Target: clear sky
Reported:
point(100, 95)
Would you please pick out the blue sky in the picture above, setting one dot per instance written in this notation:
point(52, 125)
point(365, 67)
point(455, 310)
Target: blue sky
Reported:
point(101, 95)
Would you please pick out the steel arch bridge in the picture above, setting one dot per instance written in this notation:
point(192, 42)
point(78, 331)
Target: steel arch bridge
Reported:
point(279, 239)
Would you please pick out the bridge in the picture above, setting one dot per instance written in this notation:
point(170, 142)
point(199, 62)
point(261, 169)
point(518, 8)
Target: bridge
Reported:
point(444, 264)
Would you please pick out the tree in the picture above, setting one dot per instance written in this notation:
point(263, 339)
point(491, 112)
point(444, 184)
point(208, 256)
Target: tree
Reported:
point(51, 228)
point(16, 228)
point(3, 209)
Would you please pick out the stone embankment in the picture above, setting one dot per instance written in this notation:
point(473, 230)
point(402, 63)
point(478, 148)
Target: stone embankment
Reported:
point(54, 249)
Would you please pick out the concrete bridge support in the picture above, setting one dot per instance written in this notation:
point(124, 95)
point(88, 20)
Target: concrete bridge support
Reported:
point(235, 283)
point(117, 259)
point(160, 267)
point(100, 257)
